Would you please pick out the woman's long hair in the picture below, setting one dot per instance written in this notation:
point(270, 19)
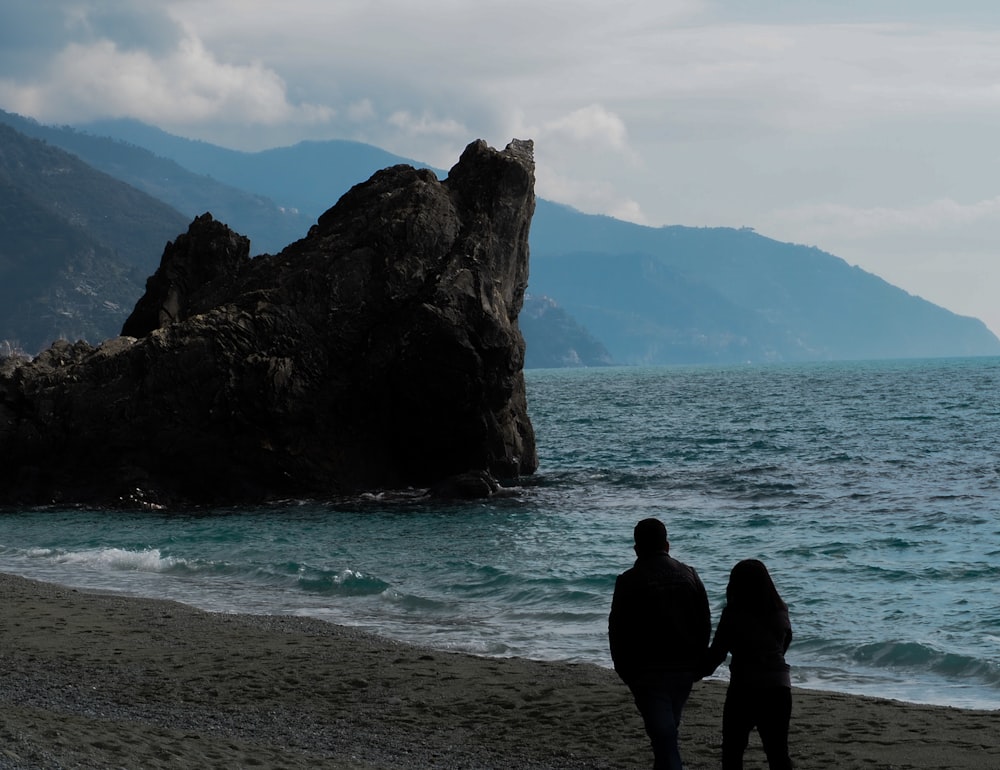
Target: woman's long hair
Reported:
point(750, 587)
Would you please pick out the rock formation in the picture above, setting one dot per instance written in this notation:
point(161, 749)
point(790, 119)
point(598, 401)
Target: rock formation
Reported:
point(381, 351)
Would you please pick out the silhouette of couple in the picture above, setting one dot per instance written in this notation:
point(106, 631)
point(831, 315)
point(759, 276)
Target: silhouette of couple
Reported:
point(659, 630)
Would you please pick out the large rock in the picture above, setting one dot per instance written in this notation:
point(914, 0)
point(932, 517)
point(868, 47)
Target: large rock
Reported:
point(381, 351)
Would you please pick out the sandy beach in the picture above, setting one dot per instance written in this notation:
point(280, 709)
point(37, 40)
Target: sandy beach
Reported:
point(104, 681)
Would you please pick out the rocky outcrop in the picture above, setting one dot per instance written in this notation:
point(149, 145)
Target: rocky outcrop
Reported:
point(380, 351)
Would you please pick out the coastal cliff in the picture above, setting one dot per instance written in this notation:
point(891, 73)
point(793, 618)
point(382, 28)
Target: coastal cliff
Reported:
point(380, 351)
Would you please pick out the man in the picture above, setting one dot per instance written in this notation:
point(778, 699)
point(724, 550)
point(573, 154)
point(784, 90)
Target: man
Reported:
point(659, 629)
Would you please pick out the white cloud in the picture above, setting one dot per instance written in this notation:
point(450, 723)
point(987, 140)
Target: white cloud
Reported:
point(586, 193)
point(592, 126)
point(361, 111)
point(579, 156)
point(627, 210)
point(182, 84)
point(853, 136)
point(849, 222)
point(427, 124)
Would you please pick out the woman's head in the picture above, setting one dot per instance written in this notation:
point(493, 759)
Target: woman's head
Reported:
point(750, 585)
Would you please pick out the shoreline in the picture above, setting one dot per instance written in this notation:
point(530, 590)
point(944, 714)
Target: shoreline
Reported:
point(889, 692)
point(96, 680)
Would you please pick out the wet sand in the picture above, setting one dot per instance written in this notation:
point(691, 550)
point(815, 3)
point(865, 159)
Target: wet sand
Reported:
point(104, 681)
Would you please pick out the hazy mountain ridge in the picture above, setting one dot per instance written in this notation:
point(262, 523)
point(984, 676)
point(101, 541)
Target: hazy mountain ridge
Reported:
point(76, 246)
point(680, 294)
point(307, 177)
point(190, 193)
point(703, 295)
point(602, 290)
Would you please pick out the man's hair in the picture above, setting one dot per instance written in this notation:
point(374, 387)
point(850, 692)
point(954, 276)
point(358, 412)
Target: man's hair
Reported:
point(650, 536)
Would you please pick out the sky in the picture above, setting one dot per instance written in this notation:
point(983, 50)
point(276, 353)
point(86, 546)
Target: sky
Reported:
point(867, 128)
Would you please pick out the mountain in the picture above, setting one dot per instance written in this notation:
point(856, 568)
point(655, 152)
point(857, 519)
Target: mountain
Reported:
point(682, 294)
point(76, 245)
point(372, 354)
point(648, 295)
point(270, 227)
point(600, 290)
point(308, 177)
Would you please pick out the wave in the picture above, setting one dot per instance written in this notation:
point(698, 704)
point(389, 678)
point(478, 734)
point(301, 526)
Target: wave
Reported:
point(147, 560)
point(344, 582)
point(923, 657)
point(901, 657)
point(310, 580)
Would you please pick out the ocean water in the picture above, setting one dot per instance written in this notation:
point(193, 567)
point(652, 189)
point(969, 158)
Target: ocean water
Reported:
point(871, 490)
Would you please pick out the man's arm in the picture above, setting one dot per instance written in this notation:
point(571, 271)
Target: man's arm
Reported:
point(619, 622)
point(719, 649)
point(705, 621)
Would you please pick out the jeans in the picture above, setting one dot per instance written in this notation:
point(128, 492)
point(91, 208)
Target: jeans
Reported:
point(660, 699)
point(769, 709)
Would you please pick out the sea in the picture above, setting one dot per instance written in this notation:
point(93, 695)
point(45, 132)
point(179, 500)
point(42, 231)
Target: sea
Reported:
point(870, 489)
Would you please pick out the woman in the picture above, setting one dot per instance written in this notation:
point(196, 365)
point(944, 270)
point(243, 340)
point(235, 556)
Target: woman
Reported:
point(755, 628)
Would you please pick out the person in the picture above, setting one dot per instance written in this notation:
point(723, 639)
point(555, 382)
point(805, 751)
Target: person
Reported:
point(658, 631)
point(755, 628)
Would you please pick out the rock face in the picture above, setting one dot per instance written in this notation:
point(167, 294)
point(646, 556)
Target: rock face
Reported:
point(380, 351)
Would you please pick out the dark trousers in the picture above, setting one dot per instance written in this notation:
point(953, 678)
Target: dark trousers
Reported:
point(660, 700)
point(769, 709)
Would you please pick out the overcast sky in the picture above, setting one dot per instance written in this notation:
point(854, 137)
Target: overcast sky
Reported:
point(868, 128)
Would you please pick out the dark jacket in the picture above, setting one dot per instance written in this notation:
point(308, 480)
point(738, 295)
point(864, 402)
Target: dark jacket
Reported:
point(758, 642)
point(660, 619)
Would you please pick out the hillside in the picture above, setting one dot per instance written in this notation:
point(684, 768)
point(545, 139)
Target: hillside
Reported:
point(682, 294)
point(648, 295)
point(308, 177)
point(602, 291)
point(79, 278)
point(269, 226)
point(76, 246)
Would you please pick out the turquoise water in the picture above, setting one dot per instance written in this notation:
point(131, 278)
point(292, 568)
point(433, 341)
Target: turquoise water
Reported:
point(872, 490)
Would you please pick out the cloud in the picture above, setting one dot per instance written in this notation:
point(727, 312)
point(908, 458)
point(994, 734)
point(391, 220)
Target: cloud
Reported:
point(580, 72)
point(628, 211)
point(592, 125)
point(579, 156)
point(32, 33)
point(587, 193)
point(436, 64)
point(867, 129)
point(942, 216)
point(427, 124)
point(361, 111)
point(123, 59)
point(130, 26)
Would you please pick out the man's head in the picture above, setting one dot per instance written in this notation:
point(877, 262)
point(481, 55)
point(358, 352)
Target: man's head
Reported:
point(650, 537)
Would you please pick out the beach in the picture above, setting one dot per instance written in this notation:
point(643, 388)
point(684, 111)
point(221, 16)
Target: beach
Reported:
point(99, 680)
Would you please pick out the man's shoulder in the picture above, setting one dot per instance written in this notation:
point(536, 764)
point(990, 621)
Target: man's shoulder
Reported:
point(659, 565)
point(680, 566)
point(630, 574)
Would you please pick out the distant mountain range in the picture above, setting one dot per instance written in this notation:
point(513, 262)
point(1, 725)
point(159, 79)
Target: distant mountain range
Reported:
point(683, 294)
point(76, 245)
point(93, 224)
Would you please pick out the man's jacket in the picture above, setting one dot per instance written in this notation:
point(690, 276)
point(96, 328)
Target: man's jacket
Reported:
point(660, 619)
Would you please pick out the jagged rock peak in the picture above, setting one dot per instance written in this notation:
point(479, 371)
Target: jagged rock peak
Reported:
point(380, 351)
